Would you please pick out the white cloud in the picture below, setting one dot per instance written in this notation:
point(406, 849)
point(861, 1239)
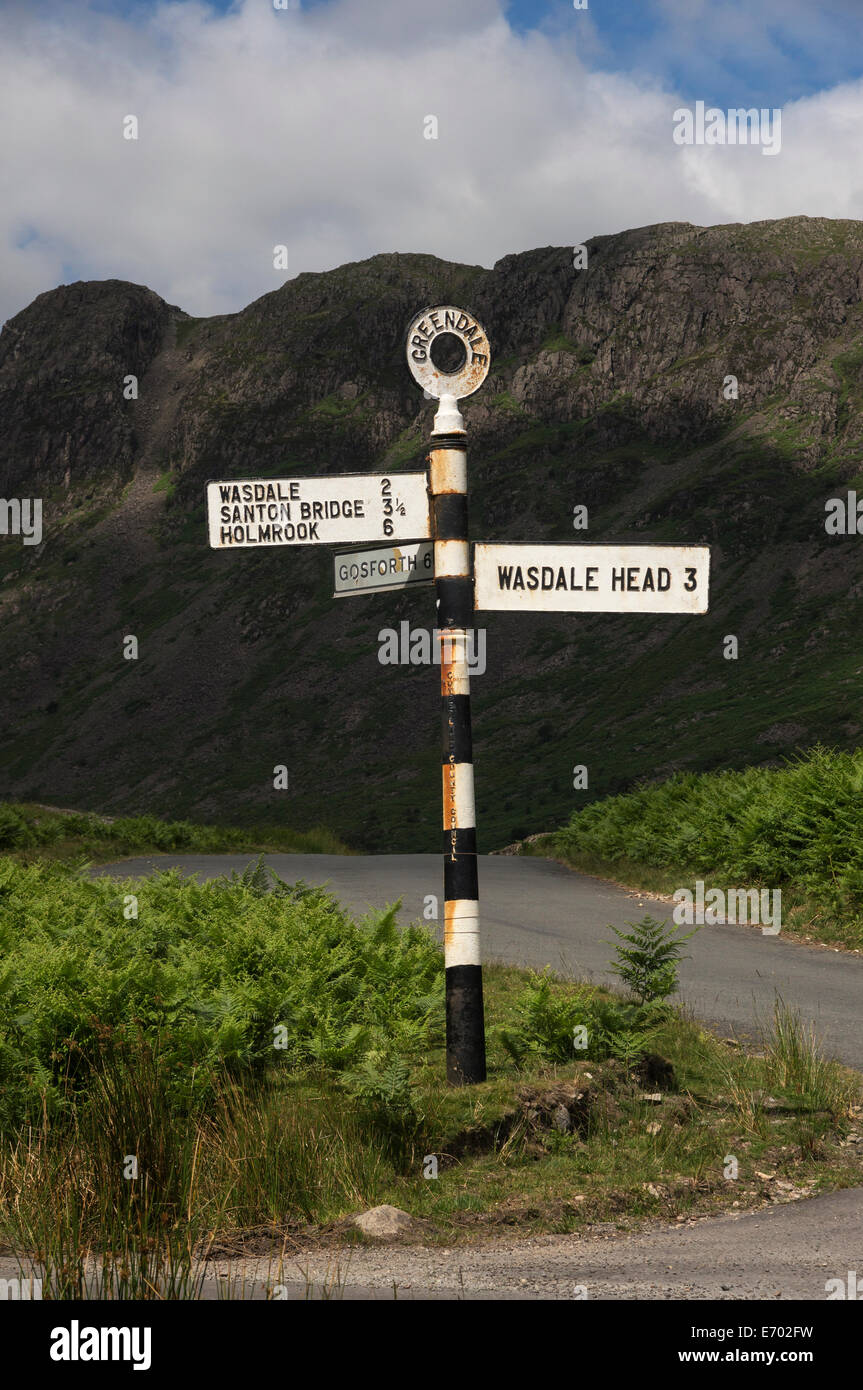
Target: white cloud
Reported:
point(264, 127)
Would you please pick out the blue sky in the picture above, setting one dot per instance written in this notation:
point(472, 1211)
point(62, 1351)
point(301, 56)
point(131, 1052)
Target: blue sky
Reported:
point(810, 44)
point(310, 129)
point(807, 46)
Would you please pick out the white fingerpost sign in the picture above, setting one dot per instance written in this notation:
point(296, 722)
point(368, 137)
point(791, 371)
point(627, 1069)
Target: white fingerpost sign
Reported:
point(379, 571)
point(341, 510)
point(592, 578)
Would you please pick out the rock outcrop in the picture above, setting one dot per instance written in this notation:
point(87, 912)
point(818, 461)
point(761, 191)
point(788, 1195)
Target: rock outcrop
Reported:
point(611, 387)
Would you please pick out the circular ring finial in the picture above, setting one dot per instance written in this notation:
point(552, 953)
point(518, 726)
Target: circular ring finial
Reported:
point(433, 323)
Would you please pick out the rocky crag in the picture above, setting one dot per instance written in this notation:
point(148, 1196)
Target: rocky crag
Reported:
point(608, 389)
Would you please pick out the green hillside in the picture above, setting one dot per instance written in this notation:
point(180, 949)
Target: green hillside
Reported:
point(606, 390)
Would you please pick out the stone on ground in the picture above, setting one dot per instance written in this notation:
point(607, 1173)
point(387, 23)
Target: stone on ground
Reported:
point(384, 1221)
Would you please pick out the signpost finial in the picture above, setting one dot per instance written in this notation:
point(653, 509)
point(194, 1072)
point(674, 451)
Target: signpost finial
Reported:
point(448, 387)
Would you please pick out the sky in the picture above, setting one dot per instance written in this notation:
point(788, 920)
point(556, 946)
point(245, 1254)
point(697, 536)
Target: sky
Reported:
point(338, 129)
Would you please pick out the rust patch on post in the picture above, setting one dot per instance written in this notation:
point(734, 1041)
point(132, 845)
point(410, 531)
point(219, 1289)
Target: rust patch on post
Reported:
point(448, 468)
point(449, 923)
point(449, 654)
point(454, 674)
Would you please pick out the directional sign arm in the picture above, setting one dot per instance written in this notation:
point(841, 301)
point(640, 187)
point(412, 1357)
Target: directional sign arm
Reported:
point(592, 578)
point(380, 571)
point(342, 510)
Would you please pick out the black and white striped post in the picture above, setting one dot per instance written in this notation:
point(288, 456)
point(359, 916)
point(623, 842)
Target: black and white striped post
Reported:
point(465, 1026)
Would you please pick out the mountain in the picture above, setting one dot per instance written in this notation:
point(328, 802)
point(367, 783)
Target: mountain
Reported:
point(606, 390)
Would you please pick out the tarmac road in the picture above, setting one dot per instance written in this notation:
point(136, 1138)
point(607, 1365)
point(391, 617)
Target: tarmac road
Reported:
point(535, 912)
point(538, 913)
point(786, 1251)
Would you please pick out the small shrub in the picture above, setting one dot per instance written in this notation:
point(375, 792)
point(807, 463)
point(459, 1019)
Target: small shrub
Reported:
point(549, 1016)
point(15, 833)
point(647, 960)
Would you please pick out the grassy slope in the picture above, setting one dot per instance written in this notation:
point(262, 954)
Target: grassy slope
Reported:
point(797, 828)
point(238, 1142)
point(31, 832)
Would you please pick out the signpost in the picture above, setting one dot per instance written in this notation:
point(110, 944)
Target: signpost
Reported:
point(379, 571)
point(318, 511)
point(592, 578)
point(465, 1025)
point(419, 507)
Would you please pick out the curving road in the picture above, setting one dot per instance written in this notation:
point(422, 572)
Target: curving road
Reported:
point(788, 1251)
point(538, 913)
point(535, 912)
